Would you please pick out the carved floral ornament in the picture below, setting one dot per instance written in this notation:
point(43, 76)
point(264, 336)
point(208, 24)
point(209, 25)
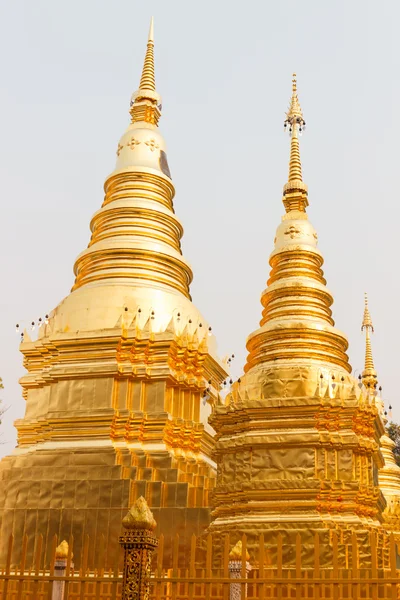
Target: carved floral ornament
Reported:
point(152, 144)
point(293, 231)
point(133, 142)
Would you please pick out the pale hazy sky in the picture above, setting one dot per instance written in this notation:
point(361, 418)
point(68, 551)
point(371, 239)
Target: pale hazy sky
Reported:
point(224, 71)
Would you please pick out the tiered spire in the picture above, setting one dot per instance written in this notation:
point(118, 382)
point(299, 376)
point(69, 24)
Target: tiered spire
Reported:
point(148, 80)
point(369, 375)
point(136, 234)
point(297, 322)
point(146, 102)
point(295, 190)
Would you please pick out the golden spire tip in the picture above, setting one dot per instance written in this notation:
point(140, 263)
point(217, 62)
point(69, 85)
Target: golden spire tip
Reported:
point(147, 81)
point(295, 191)
point(146, 102)
point(151, 31)
point(367, 321)
point(369, 375)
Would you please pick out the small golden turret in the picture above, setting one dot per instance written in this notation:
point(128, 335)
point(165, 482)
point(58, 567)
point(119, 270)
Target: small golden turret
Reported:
point(369, 376)
point(297, 441)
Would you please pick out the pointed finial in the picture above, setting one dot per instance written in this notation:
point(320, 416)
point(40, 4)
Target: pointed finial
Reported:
point(151, 31)
point(367, 321)
point(148, 79)
point(139, 516)
point(146, 102)
point(369, 375)
point(237, 552)
point(295, 191)
point(294, 115)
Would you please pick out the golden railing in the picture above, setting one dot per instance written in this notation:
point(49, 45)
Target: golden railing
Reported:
point(212, 571)
point(38, 580)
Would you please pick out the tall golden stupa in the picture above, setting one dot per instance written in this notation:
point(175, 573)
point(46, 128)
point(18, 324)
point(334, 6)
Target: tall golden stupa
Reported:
point(298, 437)
point(115, 385)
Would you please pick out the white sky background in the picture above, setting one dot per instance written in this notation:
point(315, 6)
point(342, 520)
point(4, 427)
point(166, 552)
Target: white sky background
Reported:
point(224, 72)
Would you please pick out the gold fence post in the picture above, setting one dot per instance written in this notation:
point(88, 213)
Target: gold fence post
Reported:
point(138, 541)
point(235, 571)
point(60, 570)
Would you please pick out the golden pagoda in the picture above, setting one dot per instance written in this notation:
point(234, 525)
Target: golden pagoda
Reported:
point(297, 438)
point(389, 473)
point(120, 381)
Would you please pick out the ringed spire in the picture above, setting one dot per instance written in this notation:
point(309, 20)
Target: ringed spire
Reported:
point(295, 190)
point(136, 234)
point(146, 102)
point(369, 375)
point(297, 323)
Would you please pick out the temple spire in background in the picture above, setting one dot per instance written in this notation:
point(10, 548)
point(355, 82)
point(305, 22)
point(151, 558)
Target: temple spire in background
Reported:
point(369, 375)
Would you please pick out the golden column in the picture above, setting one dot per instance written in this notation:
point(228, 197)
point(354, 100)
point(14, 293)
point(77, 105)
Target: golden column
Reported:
point(297, 439)
point(120, 382)
point(389, 473)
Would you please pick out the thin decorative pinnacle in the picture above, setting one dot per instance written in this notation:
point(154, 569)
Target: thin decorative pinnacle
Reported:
point(367, 321)
point(369, 374)
point(294, 113)
point(294, 118)
point(295, 191)
point(148, 80)
point(295, 173)
point(146, 102)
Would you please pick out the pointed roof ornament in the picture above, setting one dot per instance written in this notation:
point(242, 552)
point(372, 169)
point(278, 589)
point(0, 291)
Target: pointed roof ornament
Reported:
point(146, 102)
point(369, 375)
point(367, 321)
point(295, 112)
point(151, 31)
point(295, 190)
point(148, 78)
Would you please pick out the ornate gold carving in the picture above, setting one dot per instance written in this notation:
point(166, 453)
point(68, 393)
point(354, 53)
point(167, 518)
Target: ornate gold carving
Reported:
point(133, 142)
point(293, 231)
point(152, 144)
point(119, 149)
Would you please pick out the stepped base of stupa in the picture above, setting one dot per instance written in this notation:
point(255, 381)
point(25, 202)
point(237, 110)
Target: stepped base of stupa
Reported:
point(88, 491)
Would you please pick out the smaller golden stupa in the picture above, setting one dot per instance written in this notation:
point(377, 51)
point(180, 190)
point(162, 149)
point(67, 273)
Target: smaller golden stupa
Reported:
point(298, 438)
point(389, 473)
